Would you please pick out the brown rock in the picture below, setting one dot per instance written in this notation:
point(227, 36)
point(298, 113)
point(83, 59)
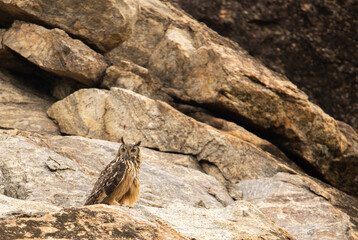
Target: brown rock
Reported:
point(54, 51)
point(105, 24)
point(130, 76)
point(111, 114)
point(309, 42)
point(59, 87)
point(202, 67)
point(10, 60)
point(92, 222)
point(62, 87)
point(22, 107)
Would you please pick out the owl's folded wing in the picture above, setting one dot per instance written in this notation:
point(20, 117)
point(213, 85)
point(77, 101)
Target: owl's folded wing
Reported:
point(109, 179)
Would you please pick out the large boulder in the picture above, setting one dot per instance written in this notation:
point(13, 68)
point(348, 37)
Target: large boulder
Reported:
point(56, 52)
point(103, 24)
point(198, 66)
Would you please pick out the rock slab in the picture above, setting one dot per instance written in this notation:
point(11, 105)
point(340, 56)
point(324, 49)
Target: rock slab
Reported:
point(56, 52)
point(104, 24)
point(309, 42)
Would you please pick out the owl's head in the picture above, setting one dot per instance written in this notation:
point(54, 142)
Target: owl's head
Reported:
point(128, 151)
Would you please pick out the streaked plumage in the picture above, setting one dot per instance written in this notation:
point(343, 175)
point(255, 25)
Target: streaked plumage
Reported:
point(118, 183)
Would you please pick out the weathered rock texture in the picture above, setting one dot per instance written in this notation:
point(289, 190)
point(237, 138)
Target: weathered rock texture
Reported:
point(22, 107)
point(292, 201)
point(234, 130)
point(245, 222)
point(94, 222)
point(128, 75)
point(10, 60)
point(56, 52)
point(165, 86)
point(190, 201)
point(157, 168)
point(36, 173)
point(169, 191)
point(310, 42)
point(198, 66)
point(10, 207)
point(118, 112)
point(104, 24)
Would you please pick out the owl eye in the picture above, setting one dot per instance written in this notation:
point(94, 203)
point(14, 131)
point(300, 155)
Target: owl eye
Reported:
point(123, 150)
point(133, 150)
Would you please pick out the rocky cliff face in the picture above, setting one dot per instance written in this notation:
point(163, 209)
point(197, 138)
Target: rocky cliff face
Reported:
point(310, 42)
point(231, 149)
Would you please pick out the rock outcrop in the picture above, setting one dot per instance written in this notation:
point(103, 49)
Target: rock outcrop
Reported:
point(169, 190)
point(197, 66)
point(309, 42)
point(228, 146)
point(104, 24)
point(56, 52)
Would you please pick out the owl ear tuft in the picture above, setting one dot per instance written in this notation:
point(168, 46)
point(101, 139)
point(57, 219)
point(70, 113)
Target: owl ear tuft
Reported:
point(138, 143)
point(122, 140)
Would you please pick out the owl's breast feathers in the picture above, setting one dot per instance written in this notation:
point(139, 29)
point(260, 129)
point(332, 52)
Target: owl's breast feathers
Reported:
point(114, 182)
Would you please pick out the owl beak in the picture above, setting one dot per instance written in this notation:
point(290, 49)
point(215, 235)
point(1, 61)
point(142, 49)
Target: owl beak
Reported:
point(126, 156)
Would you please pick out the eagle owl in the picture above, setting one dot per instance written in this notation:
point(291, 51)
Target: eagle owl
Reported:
point(118, 183)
